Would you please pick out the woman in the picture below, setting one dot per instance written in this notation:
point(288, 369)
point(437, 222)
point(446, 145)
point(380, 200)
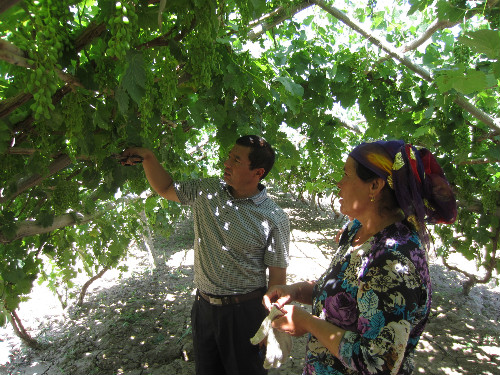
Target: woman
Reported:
point(371, 305)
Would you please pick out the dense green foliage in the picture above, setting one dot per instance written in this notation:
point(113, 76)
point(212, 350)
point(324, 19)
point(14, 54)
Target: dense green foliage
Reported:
point(82, 80)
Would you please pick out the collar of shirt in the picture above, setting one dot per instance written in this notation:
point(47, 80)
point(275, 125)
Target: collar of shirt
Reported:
point(257, 198)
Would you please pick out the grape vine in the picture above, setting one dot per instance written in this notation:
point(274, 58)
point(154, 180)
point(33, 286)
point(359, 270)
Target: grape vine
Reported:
point(48, 36)
point(122, 26)
point(64, 196)
point(204, 57)
point(461, 54)
point(168, 81)
point(311, 85)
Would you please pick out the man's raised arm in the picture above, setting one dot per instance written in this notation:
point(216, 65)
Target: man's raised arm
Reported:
point(159, 179)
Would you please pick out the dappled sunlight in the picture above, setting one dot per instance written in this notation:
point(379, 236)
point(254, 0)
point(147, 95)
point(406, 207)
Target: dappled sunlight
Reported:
point(141, 322)
point(463, 334)
point(307, 261)
point(134, 322)
point(184, 257)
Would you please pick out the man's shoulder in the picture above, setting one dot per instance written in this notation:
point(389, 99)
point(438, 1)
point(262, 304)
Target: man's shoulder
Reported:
point(205, 182)
point(198, 189)
point(215, 182)
point(277, 212)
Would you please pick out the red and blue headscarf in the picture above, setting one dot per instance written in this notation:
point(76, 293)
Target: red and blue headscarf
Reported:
point(421, 189)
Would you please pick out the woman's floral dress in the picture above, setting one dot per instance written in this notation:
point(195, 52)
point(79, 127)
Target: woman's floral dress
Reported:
point(380, 293)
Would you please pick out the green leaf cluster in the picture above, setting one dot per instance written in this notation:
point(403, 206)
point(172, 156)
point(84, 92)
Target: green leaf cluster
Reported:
point(83, 80)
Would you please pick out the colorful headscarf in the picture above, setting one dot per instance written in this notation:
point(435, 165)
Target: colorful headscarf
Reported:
point(421, 189)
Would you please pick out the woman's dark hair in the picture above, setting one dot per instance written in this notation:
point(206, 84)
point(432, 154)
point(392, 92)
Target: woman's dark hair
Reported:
point(389, 201)
point(261, 154)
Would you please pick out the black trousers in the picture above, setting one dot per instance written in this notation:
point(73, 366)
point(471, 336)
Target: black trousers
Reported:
point(221, 337)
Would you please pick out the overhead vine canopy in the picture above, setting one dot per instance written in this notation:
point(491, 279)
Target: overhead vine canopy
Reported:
point(82, 80)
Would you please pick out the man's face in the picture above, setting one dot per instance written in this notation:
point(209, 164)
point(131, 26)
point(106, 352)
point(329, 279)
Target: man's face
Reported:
point(237, 172)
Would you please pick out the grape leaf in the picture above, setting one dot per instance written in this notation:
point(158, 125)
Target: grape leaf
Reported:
point(483, 41)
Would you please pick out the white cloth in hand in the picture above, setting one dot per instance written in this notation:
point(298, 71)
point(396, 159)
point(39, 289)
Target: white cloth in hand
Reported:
point(279, 344)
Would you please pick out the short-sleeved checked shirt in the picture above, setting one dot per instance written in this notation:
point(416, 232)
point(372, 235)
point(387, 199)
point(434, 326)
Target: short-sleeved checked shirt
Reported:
point(235, 239)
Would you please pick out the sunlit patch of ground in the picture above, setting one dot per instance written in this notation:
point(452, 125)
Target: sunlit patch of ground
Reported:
point(139, 324)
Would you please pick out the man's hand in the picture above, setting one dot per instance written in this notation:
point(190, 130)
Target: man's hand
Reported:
point(279, 295)
point(128, 160)
point(132, 156)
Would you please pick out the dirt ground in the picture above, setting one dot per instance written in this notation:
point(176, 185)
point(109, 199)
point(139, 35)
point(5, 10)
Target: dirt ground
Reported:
point(139, 323)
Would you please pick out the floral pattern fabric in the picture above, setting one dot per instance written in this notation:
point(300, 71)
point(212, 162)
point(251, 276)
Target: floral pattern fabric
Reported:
point(380, 293)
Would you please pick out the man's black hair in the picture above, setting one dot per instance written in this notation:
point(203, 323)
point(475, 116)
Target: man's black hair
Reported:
point(261, 154)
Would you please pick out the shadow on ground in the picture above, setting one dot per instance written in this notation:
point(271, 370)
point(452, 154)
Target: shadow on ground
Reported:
point(139, 325)
point(463, 334)
point(142, 325)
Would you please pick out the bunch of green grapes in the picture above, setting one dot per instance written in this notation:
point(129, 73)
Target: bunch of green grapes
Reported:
point(73, 112)
point(462, 140)
point(242, 5)
point(138, 185)
point(65, 196)
point(44, 52)
point(149, 99)
point(360, 81)
point(441, 120)
point(490, 201)
point(104, 73)
point(168, 81)
point(358, 74)
point(493, 17)
point(461, 54)
point(204, 58)
point(201, 62)
point(122, 25)
point(357, 63)
point(406, 82)
point(392, 105)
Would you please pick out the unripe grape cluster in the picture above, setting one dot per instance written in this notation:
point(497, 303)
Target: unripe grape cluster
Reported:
point(441, 120)
point(122, 25)
point(493, 17)
point(391, 102)
point(360, 81)
point(406, 82)
point(168, 81)
point(490, 201)
point(138, 185)
point(65, 196)
point(49, 36)
point(73, 112)
point(462, 140)
point(148, 101)
point(357, 62)
point(461, 54)
point(246, 15)
point(204, 58)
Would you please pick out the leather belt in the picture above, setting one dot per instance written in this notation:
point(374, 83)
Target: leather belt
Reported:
point(231, 299)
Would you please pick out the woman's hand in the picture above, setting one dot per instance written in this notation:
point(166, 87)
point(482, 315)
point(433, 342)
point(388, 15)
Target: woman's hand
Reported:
point(295, 322)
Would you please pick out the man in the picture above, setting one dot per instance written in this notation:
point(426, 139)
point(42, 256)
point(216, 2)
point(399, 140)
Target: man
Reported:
point(239, 233)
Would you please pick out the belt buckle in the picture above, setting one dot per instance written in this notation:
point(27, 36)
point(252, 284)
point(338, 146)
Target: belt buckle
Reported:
point(215, 301)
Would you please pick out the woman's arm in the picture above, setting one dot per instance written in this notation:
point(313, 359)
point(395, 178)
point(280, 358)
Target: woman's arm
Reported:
point(298, 322)
point(283, 294)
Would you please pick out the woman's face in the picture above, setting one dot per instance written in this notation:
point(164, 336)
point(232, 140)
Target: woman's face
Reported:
point(354, 193)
